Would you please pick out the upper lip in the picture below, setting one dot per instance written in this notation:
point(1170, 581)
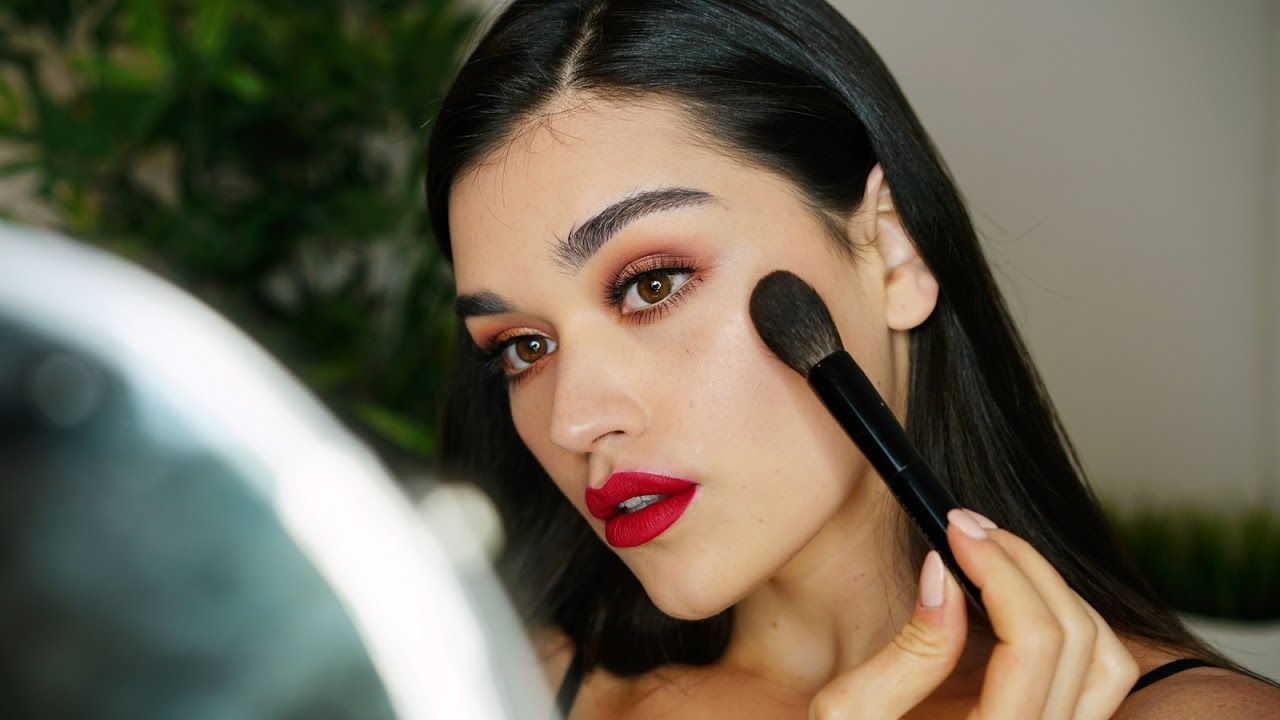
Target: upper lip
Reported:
point(603, 502)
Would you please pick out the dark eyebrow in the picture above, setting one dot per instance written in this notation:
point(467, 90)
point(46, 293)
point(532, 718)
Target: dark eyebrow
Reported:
point(584, 241)
point(480, 303)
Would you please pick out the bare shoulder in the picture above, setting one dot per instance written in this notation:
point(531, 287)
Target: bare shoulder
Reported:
point(1204, 693)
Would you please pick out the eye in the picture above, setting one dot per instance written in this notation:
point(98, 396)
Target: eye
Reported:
point(518, 354)
point(653, 287)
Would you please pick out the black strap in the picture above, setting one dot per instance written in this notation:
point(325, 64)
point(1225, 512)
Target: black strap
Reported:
point(1168, 669)
point(568, 691)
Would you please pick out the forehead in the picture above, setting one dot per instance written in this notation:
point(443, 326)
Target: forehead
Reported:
point(564, 167)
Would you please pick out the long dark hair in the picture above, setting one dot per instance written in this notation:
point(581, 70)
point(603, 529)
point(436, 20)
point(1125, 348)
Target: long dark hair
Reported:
point(790, 86)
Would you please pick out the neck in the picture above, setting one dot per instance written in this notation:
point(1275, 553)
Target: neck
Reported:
point(841, 599)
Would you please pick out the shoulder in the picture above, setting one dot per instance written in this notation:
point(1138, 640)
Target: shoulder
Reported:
point(1204, 693)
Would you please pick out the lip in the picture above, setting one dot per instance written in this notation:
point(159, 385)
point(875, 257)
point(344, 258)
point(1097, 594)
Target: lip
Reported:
point(638, 528)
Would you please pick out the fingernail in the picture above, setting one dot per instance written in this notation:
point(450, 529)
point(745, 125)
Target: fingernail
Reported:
point(983, 521)
point(932, 580)
point(967, 524)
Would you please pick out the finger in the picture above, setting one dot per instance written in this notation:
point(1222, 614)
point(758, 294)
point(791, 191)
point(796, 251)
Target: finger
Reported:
point(1110, 676)
point(1079, 631)
point(907, 670)
point(1023, 665)
point(1096, 670)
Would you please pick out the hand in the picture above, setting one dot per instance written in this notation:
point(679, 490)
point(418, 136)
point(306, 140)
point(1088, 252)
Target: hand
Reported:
point(1055, 657)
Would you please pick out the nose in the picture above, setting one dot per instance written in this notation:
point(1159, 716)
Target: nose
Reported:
point(596, 396)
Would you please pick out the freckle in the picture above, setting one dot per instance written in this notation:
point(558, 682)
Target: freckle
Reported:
point(774, 623)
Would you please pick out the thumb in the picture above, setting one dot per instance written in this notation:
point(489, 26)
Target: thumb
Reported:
point(913, 665)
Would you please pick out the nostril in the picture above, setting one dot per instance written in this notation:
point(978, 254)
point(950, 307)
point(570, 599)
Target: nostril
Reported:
point(602, 420)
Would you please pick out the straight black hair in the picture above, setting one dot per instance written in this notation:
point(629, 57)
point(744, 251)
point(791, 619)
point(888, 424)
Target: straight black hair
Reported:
point(792, 87)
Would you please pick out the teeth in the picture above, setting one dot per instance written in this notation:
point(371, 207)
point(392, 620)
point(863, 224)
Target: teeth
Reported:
point(639, 503)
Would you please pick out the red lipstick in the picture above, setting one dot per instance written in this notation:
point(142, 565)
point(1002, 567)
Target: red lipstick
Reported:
point(638, 507)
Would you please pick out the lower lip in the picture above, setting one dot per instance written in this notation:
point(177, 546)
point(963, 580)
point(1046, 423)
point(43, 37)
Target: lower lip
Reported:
point(638, 528)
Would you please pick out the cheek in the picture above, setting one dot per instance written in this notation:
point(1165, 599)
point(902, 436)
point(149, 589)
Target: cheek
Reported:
point(531, 413)
point(742, 405)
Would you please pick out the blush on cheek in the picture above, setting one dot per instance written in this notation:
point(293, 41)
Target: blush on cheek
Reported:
point(728, 373)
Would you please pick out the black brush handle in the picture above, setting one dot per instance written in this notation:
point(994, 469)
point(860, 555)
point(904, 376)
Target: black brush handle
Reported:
point(860, 410)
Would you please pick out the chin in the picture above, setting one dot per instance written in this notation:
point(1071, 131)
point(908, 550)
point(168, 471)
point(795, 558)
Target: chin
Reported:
point(688, 599)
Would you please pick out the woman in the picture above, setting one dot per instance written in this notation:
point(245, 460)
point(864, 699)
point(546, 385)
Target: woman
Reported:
point(610, 179)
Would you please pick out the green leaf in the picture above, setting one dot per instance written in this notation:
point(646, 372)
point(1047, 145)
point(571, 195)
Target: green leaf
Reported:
point(10, 105)
point(210, 27)
point(141, 75)
point(333, 373)
point(224, 142)
point(19, 167)
point(146, 23)
point(400, 430)
point(1219, 564)
point(245, 83)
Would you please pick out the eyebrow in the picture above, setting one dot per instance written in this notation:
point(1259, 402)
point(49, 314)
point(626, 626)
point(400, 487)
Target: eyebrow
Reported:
point(582, 243)
point(480, 303)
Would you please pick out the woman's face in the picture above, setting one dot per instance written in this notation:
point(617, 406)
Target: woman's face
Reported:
point(630, 349)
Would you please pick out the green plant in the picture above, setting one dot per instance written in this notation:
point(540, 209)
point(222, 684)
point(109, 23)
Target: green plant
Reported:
point(1217, 564)
point(268, 156)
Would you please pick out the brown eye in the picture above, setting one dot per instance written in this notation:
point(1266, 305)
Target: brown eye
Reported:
point(524, 351)
point(529, 350)
point(653, 287)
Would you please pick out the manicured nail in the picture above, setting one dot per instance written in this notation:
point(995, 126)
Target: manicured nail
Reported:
point(933, 578)
point(983, 521)
point(967, 525)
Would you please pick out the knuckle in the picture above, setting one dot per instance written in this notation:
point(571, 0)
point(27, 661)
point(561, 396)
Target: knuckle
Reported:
point(917, 640)
point(1081, 632)
point(828, 705)
point(1045, 640)
point(1122, 666)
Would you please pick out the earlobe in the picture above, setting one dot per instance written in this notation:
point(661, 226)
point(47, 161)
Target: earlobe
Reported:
point(911, 291)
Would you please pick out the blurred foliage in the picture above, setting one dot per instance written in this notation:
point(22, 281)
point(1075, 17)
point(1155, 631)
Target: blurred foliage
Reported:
point(1212, 563)
point(268, 156)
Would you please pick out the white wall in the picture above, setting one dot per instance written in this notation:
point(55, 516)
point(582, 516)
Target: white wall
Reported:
point(1120, 160)
point(1271, 195)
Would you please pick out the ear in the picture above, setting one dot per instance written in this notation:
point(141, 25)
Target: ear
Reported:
point(911, 291)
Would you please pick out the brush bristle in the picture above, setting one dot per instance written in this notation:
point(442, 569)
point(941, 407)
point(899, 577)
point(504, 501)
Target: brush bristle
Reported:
point(793, 321)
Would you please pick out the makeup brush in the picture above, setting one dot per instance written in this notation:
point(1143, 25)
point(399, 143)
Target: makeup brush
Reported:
point(795, 324)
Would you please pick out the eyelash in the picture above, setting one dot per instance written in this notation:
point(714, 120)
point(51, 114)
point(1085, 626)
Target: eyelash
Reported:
point(614, 293)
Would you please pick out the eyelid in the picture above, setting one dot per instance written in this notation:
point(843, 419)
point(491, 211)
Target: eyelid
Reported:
point(505, 351)
point(494, 350)
point(632, 304)
point(495, 343)
point(615, 288)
